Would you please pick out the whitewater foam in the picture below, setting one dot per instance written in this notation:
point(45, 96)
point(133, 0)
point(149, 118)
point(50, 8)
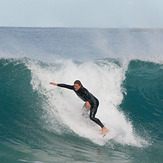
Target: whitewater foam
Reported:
point(63, 109)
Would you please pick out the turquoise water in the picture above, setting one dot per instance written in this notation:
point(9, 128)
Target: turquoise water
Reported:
point(43, 123)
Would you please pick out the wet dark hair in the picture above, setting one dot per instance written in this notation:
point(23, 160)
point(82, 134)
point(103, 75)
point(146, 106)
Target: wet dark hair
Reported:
point(78, 82)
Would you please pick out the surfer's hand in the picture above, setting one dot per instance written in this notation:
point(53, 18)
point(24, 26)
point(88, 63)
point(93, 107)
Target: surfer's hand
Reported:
point(53, 83)
point(87, 105)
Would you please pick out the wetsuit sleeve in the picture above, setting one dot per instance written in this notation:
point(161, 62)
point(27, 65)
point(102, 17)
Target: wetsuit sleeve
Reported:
point(66, 86)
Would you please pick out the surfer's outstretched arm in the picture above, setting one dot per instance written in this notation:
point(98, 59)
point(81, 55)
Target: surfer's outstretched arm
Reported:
point(63, 85)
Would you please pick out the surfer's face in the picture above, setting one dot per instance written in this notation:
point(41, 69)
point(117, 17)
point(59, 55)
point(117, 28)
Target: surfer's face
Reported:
point(77, 87)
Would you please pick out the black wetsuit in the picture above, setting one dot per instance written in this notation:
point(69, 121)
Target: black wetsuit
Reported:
point(85, 95)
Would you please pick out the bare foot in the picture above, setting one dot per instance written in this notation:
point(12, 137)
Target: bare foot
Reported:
point(104, 129)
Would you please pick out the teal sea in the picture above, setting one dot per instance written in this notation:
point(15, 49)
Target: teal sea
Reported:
point(41, 123)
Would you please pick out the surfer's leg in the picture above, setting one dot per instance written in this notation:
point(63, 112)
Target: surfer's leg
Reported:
point(93, 111)
point(96, 120)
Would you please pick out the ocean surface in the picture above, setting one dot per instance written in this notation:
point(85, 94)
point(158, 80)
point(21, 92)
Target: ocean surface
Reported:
point(42, 123)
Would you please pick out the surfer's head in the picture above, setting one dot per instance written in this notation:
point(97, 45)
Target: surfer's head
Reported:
point(77, 85)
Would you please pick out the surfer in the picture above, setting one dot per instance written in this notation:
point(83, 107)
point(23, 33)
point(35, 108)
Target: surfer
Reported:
point(91, 102)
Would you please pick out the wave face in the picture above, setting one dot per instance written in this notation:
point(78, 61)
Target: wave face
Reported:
point(39, 120)
point(144, 97)
point(43, 123)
